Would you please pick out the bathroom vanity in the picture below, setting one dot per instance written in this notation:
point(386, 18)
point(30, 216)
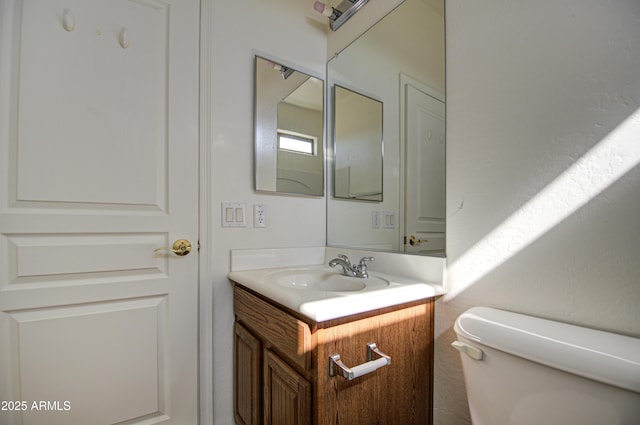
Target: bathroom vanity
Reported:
point(284, 345)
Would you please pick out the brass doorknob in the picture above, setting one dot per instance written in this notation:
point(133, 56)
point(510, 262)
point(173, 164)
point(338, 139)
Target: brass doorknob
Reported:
point(413, 241)
point(180, 247)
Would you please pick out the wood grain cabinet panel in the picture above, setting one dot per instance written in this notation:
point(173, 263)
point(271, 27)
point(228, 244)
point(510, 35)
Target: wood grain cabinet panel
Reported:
point(287, 395)
point(247, 377)
point(290, 336)
point(303, 392)
point(395, 394)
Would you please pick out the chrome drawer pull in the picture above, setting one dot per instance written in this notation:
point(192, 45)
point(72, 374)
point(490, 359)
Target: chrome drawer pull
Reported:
point(354, 372)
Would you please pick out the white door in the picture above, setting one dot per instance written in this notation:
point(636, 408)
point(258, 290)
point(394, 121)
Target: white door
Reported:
point(425, 172)
point(98, 151)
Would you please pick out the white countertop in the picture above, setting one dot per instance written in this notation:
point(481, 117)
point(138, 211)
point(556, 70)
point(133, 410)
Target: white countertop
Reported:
point(321, 305)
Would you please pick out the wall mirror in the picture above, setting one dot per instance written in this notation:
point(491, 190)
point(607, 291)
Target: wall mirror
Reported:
point(357, 145)
point(289, 117)
point(400, 61)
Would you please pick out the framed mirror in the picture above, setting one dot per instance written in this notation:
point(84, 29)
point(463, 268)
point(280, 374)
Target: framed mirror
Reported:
point(357, 145)
point(400, 61)
point(289, 118)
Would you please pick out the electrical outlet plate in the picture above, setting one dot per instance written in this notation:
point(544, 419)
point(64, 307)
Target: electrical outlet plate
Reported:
point(375, 219)
point(260, 216)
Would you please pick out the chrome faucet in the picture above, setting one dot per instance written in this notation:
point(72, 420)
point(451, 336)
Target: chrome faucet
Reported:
point(353, 270)
point(343, 261)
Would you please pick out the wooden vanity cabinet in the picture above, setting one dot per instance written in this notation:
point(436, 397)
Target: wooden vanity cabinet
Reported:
point(282, 365)
point(247, 377)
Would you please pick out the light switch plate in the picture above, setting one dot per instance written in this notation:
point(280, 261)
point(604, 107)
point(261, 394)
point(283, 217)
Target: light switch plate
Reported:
point(234, 214)
point(389, 220)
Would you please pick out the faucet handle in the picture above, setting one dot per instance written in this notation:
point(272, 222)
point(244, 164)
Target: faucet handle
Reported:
point(361, 268)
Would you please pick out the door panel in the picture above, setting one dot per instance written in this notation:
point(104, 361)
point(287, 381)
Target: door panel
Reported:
point(46, 256)
point(425, 171)
point(132, 332)
point(94, 99)
point(98, 160)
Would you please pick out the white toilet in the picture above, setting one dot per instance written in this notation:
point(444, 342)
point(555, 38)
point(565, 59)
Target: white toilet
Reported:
point(523, 370)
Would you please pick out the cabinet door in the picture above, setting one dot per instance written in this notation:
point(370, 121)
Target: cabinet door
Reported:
point(287, 395)
point(399, 393)
point(248, 394)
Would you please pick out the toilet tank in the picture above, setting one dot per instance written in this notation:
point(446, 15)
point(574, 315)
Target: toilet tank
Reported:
point(524, 370)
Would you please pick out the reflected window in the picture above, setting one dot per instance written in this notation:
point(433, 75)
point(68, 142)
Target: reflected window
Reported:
point(297, 143)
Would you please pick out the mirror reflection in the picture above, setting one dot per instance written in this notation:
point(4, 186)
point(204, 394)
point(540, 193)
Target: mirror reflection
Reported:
point(399, 61)
point(289, 110)
point(357, 138)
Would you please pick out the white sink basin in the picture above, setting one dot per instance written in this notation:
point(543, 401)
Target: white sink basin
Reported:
point(322, 293)
point(322, 280)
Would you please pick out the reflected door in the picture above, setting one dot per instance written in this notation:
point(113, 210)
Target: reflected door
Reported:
point(425, 172)
point(98, 151)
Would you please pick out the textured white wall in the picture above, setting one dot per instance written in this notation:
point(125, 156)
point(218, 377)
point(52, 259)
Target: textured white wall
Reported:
point(543, 186)
point(283, 29)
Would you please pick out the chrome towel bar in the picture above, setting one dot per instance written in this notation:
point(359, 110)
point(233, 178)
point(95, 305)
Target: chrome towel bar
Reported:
point(336, 366)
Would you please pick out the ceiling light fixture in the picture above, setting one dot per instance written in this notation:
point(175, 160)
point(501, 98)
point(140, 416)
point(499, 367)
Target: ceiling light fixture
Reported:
point(341, 13)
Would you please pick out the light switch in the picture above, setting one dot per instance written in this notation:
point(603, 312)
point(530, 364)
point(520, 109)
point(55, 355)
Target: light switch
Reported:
point(233, 214)
point(389, 220)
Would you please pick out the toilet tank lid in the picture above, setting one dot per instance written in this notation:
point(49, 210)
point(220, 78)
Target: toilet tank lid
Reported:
point(602, 356)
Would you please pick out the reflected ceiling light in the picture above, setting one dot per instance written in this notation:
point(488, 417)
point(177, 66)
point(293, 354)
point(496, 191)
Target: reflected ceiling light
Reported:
point(341, 13)
point(284, 71)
